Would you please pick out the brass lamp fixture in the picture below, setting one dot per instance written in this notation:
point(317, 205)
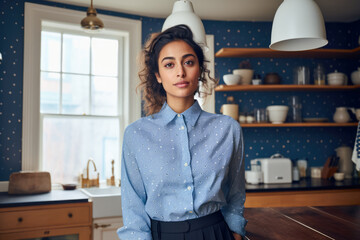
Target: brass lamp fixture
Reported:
point(91, 21)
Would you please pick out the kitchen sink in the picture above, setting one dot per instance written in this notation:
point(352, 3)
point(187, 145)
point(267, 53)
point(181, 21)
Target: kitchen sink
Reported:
point(106, 201)
point(102, 192)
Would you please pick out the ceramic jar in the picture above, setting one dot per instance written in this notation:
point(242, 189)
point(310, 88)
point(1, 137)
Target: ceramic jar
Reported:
point(231, 110)
point(337, 78)
point(272, 78)
point(341, 115)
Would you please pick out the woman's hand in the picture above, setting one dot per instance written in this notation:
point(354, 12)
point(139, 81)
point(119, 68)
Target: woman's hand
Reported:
point(237, 236)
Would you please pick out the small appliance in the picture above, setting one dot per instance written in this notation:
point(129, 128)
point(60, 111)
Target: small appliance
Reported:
point(276, 169)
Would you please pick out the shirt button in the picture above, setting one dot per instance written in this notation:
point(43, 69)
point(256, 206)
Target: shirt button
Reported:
point(189, 188)
point(182, 128)
point(179, 115)
point(190, 211)
point(186, 164)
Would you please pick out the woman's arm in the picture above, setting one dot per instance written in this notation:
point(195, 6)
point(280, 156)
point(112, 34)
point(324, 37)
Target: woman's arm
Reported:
point(235, 187)
point(133, 198)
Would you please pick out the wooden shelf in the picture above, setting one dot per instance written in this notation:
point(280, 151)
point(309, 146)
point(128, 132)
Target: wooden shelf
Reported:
point(284, 87)
point(269, 53)
point(302, 124)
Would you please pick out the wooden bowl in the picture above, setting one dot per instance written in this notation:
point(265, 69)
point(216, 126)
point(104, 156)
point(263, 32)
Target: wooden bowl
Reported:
point(69, 186)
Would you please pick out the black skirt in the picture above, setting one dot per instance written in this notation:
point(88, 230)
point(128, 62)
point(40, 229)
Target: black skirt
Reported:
point(211, 227)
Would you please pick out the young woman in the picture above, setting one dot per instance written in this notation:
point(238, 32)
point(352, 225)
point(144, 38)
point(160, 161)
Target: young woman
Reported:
point(182, 168)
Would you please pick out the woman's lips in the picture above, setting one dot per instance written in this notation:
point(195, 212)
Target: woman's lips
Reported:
point(182, 84)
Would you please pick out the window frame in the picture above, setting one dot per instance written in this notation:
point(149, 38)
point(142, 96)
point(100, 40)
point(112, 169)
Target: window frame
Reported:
point(34, 15)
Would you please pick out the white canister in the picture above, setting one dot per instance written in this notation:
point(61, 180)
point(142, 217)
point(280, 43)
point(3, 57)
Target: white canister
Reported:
point(231, 110)
point(254, 177)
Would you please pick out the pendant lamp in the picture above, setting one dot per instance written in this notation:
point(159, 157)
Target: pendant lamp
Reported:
point(298, 25)
point(183, 13)
point(91, 21)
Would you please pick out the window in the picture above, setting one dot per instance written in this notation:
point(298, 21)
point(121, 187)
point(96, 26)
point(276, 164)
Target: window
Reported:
point(78, 97)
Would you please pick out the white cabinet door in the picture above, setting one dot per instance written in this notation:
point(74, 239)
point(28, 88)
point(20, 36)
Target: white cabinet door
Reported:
point(105, 228)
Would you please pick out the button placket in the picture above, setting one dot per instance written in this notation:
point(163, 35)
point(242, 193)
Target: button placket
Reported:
point(186, 163)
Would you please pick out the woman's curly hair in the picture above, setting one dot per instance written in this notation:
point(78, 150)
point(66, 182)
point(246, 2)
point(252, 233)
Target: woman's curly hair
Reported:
point(153, 93)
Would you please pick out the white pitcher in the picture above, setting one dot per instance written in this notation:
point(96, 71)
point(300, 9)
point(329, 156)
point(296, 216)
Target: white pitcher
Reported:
point(341, 115)
point(345, 163)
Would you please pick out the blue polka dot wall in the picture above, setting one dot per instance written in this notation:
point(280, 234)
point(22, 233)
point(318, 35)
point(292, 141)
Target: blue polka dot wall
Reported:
point(314, 144)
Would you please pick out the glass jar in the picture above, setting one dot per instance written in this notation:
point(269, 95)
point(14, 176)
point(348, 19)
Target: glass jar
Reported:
point(319, 75)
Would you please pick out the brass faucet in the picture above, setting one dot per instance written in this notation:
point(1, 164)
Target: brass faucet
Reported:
point(111, 180)
point(87, 182)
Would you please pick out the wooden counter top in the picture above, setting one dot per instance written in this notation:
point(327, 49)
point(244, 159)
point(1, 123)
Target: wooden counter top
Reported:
point(333, 222)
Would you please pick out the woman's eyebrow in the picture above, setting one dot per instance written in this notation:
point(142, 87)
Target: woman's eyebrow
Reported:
point(167, 58)
point(172, 58)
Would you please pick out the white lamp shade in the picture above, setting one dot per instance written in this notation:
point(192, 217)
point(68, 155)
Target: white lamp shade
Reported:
point(298, 25)
point(183, 13)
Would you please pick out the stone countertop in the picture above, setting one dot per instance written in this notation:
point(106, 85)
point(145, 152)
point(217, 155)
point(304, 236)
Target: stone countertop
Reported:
point(305, 185)
point(53, 197)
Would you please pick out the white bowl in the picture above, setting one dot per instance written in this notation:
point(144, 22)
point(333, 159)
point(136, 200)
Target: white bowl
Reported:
point(231, 79)
point(277, 113)
point(246, 75)
point(339, 176)
point(355, 77)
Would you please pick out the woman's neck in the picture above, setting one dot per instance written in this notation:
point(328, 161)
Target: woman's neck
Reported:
point(180, 105)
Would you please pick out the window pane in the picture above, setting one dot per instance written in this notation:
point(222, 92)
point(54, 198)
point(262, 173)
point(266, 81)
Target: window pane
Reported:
point(104, 57)
point(50, 51)
point(50, 92)
point(75, 94)
point(68, 143)
point(76, 54)
point(104, 96)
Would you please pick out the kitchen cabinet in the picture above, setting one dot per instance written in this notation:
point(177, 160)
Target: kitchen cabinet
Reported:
point(68, 221)
point(105, 228)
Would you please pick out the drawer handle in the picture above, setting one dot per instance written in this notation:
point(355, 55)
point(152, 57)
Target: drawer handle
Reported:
point(96, 226)
point(70, 215)
point(46, 232)
point(20, 219)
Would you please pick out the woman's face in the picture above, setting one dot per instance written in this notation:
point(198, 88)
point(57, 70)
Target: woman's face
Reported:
point(179, 71)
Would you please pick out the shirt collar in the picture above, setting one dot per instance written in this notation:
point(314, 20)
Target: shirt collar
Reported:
point(166, 114)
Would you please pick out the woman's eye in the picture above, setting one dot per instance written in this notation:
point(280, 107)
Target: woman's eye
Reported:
point(168, 65)
point(189, 62)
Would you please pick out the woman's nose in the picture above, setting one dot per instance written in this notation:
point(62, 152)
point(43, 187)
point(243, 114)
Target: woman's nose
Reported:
point(180, 71)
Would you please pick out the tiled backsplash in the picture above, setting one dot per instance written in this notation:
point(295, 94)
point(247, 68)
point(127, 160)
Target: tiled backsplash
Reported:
point(312, 143)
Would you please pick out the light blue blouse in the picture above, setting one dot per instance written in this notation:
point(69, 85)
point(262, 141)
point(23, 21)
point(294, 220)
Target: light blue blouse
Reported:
point(181, 166)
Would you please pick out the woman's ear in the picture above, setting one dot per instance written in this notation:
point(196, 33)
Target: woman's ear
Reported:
point(158, 78)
